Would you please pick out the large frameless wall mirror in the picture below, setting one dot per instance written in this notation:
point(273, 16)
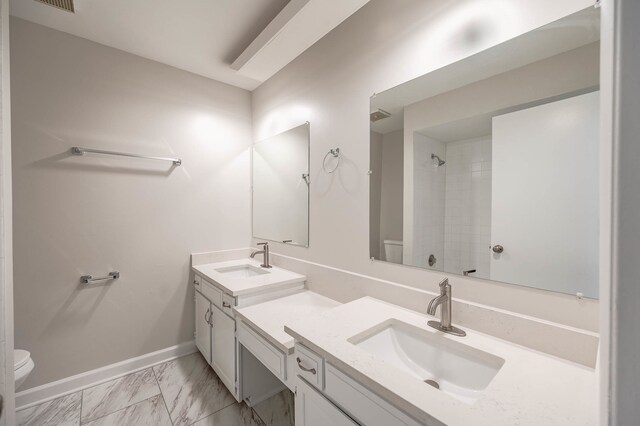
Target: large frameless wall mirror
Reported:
point(489, 167)
point(281, 187)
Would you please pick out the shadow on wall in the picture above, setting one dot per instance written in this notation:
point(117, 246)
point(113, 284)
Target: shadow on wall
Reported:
point(72, 315)
point(57, 162)
point(91, 162)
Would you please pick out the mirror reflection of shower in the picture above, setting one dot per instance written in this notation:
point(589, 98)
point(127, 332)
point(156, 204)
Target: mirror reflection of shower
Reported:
point(437, 161)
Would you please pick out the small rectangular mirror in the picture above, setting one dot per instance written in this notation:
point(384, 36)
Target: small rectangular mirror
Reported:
point(488, 167)
point(281, 187)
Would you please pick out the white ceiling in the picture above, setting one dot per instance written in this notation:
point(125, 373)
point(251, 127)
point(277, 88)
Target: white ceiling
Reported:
point(200, 36)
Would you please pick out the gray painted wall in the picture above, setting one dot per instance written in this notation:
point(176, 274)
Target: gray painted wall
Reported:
point(94, 214)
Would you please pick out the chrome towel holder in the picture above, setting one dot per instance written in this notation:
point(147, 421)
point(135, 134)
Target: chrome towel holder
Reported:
point(88, 279)
point(335, 152)
point(76, 150)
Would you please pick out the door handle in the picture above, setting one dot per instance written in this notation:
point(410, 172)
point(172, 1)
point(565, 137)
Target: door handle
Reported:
point(303, 368)
point(497, 248)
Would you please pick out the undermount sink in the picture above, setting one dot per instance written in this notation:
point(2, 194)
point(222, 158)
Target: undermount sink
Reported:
point(455, 368)
point(241, 271)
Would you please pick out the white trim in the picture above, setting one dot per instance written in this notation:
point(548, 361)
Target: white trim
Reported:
point(49, 391)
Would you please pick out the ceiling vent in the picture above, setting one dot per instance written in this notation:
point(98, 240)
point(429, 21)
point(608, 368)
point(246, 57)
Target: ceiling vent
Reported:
point(379, 114)
point(60, 4)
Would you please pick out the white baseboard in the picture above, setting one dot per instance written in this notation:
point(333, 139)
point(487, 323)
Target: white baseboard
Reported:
point(49, 391)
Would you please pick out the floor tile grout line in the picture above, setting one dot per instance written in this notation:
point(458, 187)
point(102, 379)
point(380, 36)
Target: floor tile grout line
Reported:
point(81, 400)
point(258, 415)
point(215, 412)
point(125, 407)
point(81, 391)
point(101, 382)
point(162, 395)
point(120, 409)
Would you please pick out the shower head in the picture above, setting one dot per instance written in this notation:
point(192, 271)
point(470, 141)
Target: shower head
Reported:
point(438, 162)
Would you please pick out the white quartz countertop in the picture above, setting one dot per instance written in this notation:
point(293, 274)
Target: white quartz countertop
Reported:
point(274, 277)
point(531, 388)
point(269, 318)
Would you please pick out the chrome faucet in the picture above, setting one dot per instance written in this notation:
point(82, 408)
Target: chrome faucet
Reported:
point(444, 299)
point(265, 264)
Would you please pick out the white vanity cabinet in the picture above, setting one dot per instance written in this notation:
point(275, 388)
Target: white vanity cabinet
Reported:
point(223, 342)
point(325, 395)
point(215, 333)
point(313, 409)
point(203, 326)
point(215, 321)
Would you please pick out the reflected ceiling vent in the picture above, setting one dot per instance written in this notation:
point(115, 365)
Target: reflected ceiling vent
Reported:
point(379, 114)
point(60, 4)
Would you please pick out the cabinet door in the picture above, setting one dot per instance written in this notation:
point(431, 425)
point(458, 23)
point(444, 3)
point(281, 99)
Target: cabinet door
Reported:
point(203, 328)
point(223, 356)
point(313, 409)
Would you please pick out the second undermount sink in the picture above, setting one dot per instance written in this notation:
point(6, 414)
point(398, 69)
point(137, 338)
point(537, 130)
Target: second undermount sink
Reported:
point(455, 368)
point(241, 271)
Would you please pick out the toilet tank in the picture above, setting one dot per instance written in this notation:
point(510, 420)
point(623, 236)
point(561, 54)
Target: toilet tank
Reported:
point(393, 251)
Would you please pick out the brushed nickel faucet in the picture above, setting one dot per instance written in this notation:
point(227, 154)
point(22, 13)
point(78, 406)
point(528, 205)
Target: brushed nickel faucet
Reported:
point(444, 299)
point(265, 264)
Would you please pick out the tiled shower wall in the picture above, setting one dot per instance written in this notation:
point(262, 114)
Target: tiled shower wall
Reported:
point(428, 203)
point(452, 205)
point(468, 207)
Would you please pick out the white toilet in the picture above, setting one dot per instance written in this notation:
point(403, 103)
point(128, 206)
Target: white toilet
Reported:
point(22, 366)
point(393, 251)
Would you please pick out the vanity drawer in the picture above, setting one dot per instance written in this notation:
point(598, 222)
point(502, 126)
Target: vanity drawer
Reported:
point(361, 404)
point(228, 303)
point(265, 352)
point(211, 292)
point(309, 366)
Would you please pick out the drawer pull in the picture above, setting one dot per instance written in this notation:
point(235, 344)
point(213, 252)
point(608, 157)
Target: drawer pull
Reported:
point(303, 368)
point(226, 305)
point(195, 282)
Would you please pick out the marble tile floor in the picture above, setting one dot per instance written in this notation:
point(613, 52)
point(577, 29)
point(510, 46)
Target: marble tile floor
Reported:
point(184, 391)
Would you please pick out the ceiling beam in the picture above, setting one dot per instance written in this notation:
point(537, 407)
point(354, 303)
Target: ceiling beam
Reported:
point(296, 28)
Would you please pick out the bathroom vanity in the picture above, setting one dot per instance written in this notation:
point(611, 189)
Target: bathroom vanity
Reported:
point(380, 364)
point(370, 362)
point(221, 287)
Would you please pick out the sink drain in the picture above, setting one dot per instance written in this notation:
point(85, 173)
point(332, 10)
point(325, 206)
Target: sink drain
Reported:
point(432, 383)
